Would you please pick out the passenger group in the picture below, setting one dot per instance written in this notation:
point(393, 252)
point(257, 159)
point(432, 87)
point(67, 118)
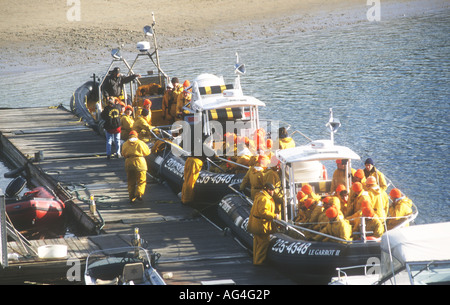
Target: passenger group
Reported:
point(356, 197)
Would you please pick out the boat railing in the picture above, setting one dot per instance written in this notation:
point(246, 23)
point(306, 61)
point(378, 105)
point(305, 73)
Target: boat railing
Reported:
point(342, 271)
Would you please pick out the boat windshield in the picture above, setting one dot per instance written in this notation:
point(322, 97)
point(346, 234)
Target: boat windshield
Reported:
point(430, 273)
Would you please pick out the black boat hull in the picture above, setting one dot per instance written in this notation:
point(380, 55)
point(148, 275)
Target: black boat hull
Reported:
point(209, 188)
point(308, 262)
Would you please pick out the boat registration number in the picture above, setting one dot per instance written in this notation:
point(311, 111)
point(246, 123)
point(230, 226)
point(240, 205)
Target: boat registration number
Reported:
point(298, 247)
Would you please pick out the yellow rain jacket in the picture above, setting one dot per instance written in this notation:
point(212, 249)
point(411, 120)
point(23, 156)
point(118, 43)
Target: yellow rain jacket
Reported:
point(271, 176)
point(142, 127)
point(126, 124)
point(169, 102)
point(182, 100)
point(192, 168)
point(354, 204)
point(381, 181)
point(401, 207)
point(375, 226)
point(254, 176)
point(380, 201)
point(339, 228)
point(286, 143)
point(260, 225)
point(339, 178)
point(134, 151)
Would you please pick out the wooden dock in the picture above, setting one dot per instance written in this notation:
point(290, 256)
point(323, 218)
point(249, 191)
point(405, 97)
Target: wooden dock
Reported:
point(62, 153)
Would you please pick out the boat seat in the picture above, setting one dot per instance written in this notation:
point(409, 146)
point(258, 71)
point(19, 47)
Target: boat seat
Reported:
point(114, 281)
point(133, 272)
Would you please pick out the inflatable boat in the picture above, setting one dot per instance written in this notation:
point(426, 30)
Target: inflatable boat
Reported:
point(35, 208)
point(291, 248)
point(87, 101)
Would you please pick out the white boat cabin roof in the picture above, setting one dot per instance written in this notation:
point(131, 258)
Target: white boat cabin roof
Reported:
point(228, 96)
point(222, 102)
point(418, 243)
point(316, 151)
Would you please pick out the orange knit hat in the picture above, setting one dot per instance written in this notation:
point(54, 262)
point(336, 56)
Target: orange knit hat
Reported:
point(309, 202)
point(359, 173)
point(307, 189)
point(365, 204)
point(331, 212)
point(300, 195)
point(340, 188)
point(368, 212)
point(357, 187)
point(133, 133)
point(395, 193)
point(147, 102)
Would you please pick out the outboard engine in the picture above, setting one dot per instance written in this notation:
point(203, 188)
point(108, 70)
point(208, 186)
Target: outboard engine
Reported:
point(15, 187)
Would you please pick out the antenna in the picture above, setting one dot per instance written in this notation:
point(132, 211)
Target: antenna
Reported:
point(333, 124)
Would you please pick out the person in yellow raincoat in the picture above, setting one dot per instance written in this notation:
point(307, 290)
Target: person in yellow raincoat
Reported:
point(260, 222)
point(126, 123)
point(401, 207)
point(192, 168)
point(337, 227)
point(339, 175)
point(255, 176)
point(370, 170)
point(308, 190)
point(183, 99)
point(272, 176)
point(357, 195)
point(284, 140)
point(142, 127)
point(134, 151)
point(305, 208)
point(374, 226)
point(379, 198)
point(169, 102)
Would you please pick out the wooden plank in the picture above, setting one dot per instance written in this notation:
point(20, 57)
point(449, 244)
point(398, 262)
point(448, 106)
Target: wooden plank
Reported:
point(190, 247)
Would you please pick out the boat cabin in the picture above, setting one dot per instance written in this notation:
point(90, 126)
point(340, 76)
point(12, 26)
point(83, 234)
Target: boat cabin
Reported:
point(303, 164)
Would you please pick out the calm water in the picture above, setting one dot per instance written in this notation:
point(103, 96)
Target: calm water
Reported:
point(388, 83)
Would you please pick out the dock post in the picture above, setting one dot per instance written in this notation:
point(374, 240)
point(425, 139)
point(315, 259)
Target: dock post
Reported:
point(3, 233)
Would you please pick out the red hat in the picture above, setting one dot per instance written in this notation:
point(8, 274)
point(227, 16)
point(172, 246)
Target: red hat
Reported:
point(359, 173)
point(307, 189)
point(133, 133)
point(128, 107)
point(147, 102)
point(331, 212)
point(300, 195)
point(357, 187)
point(309, 202)
point(395, 193)
point(368, 211)
point(340, 188)
point(269, 143)
point(326, 199)
point(365, 204)
point(186, 83)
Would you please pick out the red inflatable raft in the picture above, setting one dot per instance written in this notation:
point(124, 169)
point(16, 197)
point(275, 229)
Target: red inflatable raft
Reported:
point(37, 207)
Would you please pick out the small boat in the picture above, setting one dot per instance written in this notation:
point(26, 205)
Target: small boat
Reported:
point(416, 255)
point(214, 107)
point(36, 207)
point(306, 260)
point(121, 266)
point(87, 100)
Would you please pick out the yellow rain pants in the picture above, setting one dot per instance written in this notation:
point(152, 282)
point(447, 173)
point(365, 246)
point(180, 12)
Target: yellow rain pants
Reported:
point(192, 169)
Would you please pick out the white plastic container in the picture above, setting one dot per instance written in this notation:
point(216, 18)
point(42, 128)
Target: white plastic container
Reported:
point(52, 251)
